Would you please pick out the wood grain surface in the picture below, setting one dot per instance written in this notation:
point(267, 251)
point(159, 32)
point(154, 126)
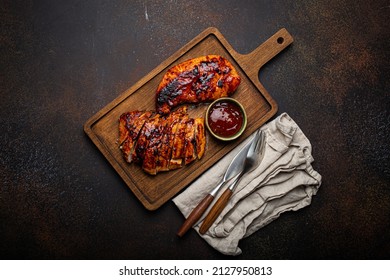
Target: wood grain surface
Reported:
point(153, 191)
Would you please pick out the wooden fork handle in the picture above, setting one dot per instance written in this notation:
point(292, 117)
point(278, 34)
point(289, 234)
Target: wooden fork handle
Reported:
point(215, 211)
point(195, 215)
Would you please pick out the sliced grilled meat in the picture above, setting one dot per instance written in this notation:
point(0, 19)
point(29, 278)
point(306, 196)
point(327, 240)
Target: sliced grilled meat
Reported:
point(201, 79)
point(144, 138)
point(189, 153)
point(161, 143)
point(200, 137)
point(150, 158)
point(178, 144)
point(165, 149)
point(130, 125)
point(125, 120)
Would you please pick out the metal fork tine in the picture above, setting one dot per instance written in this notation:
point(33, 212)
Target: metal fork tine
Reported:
point(262, 141)
point(259, 142)
point(256, 138)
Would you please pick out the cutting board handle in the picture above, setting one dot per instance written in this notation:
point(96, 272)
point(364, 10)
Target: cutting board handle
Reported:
point(256, 59)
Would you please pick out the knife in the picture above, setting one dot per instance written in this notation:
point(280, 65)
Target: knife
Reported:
point(233, 170)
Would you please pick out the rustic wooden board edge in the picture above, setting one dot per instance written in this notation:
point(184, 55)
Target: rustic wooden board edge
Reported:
point(245, 61)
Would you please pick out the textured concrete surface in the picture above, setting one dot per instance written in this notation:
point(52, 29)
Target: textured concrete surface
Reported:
point(62, 61)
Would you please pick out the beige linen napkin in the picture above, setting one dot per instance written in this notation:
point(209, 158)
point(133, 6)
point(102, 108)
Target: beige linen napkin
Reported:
point(285, 180)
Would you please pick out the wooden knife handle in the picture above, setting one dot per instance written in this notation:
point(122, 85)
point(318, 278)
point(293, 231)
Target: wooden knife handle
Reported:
point(196, 213)
point(215, 211)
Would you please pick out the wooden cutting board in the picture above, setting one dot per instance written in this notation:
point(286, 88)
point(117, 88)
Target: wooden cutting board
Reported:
point(154, 191)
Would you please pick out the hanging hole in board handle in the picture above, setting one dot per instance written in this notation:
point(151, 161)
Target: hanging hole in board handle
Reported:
point(280, 40)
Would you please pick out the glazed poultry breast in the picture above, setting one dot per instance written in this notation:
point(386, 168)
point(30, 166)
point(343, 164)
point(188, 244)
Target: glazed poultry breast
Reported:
point(161, 142)
point(197, 80)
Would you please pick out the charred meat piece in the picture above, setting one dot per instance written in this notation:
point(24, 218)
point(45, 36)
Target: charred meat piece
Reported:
point(196, 80)
point(165, 149)
point(178, 144)
point(130, 125)
point(200, 137)
point(143, 139)
point(189, 143)
point(150, 159)
point(125, 120)
point(161, 143)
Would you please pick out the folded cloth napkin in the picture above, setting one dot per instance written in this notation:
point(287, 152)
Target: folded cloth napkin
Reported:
point(285, 180)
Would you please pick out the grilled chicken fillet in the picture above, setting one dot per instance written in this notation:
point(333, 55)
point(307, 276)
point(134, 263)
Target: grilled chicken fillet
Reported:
point(196, 80)
point(130, 125)
point(161, 143)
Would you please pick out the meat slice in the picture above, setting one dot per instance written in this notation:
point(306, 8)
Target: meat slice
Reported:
point(151, 156)
point(130, 126)
point(178, 144)
point(200, 137)
point(125, 121)
point(144, 138)
point(189, 153)
point(201, 79)
point(165, 149)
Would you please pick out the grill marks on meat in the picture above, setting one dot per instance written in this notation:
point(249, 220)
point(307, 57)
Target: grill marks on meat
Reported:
point(161, 143)
point(178, 144)
point(189, 142)
point(130, 126)
point(147, 153)
point(200, 140)
point(166, 147)
point(196, 80)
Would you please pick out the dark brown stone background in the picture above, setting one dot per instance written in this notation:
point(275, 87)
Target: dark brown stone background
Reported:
point(62, 61)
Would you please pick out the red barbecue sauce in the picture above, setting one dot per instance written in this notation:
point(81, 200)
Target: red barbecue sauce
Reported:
point(225, 118)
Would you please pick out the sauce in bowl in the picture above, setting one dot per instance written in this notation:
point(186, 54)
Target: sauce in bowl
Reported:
point(226, 119)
